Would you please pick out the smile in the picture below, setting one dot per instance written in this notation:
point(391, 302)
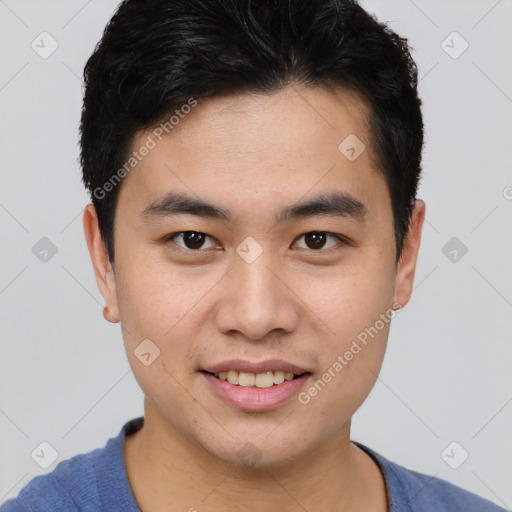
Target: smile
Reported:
point(259, 380)
point(256, 392)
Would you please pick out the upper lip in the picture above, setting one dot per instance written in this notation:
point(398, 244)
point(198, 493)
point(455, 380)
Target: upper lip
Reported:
point(269, 365)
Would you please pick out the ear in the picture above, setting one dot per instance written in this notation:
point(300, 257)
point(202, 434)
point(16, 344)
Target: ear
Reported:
point(103, 269)
point(404, 278)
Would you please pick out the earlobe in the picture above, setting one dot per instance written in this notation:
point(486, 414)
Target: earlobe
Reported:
point(109, 317)
point(103, 270)
point(404, 278)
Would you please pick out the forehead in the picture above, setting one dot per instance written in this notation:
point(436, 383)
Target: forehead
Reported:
point(266, 147)
point(272, 123)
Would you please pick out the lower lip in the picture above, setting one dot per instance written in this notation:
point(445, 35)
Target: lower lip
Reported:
point(255, 399)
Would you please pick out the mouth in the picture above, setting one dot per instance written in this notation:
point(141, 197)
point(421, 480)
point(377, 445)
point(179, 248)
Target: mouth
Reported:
point(256, 387)
point(266, 379)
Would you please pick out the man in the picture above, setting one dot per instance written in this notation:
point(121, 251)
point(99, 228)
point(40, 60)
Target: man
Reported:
point(253, 168)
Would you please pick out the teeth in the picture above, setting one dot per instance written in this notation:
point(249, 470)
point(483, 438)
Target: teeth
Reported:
point(232, 377)
point(265, 380)
point(246, 379)
point(278, 377)
point(260, 380)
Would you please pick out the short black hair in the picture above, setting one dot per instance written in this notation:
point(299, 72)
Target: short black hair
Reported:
point(158, 55)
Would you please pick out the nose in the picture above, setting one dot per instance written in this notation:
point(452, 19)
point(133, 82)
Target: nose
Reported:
point(257, 301)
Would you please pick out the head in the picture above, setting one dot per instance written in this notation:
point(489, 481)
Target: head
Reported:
point(253, 169)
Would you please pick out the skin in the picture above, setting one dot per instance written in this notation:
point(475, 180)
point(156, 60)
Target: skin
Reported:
point(253, 155)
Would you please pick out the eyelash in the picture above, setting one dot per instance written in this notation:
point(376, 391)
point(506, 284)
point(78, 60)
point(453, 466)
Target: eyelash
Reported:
point(343, 240)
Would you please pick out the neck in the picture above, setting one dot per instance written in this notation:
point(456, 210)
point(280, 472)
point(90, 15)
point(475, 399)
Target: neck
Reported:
point(169, 472)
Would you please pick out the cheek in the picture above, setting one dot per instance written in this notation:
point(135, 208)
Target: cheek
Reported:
point(153, 295)
point(348, 300)
point(167, 306)
point(349, 371)
point(155, 309)
point(356, 309)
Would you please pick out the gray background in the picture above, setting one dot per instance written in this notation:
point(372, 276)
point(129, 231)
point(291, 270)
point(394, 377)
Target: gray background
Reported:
point(447, 376)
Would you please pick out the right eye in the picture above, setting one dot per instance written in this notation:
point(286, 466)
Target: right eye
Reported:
point(189, 240)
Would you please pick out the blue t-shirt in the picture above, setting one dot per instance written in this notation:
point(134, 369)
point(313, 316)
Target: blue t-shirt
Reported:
point(97, 481)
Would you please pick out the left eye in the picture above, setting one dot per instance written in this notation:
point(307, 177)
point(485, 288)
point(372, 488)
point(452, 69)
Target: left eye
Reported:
point(195, 240)
point(316, 240)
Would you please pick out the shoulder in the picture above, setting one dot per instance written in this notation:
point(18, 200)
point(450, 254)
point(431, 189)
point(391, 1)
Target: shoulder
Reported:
point(412, 491)
point(84, 483)
point(428, 493)
point(70, 486)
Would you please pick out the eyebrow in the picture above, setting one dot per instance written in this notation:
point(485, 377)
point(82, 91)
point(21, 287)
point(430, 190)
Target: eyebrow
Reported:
point(336, 204)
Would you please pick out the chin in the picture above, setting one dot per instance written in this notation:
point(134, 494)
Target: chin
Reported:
point(251, 451)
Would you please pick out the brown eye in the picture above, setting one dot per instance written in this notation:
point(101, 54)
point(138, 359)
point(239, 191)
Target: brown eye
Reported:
point(317, 240)
point(191, 240)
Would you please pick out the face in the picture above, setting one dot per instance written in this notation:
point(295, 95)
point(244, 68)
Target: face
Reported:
point(283, 270)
